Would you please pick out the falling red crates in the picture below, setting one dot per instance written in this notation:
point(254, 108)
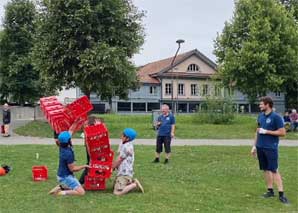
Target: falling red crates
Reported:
point(78, 108)
point(61, 118)
point(39, 173)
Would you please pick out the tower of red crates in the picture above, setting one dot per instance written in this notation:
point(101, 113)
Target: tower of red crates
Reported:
point(101, 157)
point(96, 137)
point(62, 117)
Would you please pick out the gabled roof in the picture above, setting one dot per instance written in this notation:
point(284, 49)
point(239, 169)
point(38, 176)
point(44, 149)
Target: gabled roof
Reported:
point(149, 72)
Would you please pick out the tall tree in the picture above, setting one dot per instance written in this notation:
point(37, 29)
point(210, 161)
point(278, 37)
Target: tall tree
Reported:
point(19, 82)
point(292, 93)
point(257, 51)
point(291, 5)
point(89, 44)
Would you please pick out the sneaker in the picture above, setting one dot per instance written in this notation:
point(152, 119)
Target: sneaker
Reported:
point(156, 160)
point(55, 190)
point(284, 200)
point(59, 193)
point(268, 194)
point(166, 161)
point(139, 186)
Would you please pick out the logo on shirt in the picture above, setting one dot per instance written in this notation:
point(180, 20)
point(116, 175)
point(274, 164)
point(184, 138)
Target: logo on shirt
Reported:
point(167, 118)
point(268, 120)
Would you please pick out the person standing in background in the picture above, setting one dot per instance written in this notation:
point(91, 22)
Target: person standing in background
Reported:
point(166, 131)
point(6, 120)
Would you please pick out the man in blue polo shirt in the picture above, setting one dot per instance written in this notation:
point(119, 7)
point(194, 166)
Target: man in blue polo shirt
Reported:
point(166, 131)
point(270, 127)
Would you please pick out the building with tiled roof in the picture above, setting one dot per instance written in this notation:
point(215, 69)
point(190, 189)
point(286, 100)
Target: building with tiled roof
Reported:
point(183, 86)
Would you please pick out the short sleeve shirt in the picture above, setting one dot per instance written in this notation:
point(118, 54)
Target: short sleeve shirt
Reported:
point(66, 156)
point(166, 124)
point(127, 154)
point(272, 122)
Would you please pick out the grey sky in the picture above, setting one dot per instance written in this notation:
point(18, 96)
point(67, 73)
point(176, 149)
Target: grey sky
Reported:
point(195, 21)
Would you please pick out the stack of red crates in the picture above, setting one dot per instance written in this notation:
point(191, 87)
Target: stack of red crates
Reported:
point(101, 157)
point(61, 118)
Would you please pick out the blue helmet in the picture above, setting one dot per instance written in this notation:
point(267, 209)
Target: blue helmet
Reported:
point(64, 137)
point(130, 133)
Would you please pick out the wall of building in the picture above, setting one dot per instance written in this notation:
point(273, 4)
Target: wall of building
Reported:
point(204, 68)
point(187, 87)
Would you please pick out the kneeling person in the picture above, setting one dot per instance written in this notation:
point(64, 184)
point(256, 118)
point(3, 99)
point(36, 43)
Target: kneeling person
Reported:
point(69, 185)
point(124, 182)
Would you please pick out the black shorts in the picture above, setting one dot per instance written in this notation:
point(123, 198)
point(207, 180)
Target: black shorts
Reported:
point(268, 159)
point(166, 140)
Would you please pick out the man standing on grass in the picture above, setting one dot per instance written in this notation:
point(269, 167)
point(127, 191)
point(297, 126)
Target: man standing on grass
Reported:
point(166, 131)
point(270, 127)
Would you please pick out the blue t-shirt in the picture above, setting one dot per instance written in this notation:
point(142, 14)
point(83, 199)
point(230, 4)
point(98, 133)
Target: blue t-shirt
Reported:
point(166, 124)
point(271, 122)
point(66, 156)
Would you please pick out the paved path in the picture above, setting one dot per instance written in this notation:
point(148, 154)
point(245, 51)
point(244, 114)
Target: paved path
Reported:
point(18, 140)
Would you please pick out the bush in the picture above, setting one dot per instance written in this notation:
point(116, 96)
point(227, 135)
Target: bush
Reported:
point(216, 111)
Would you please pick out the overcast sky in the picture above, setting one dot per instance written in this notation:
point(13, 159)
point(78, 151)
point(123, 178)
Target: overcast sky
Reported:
point(195, 21)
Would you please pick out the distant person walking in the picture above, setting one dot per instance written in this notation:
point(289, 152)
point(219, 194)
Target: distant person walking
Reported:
point(166, 131)
point(6, 120)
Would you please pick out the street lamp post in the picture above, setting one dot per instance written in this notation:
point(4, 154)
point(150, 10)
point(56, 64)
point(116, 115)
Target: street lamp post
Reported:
point(179, 42)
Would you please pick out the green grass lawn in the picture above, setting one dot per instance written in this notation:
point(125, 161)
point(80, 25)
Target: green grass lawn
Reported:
point(198, 179)
point(187, 128)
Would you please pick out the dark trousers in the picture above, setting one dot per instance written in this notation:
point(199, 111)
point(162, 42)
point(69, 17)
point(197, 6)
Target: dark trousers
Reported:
point(85, 172)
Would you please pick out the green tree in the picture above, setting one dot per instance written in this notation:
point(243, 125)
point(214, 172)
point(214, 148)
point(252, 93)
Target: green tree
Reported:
point(89, 44)
point(257, 51)
point(292, 93)
point(291, 5)
point(19, 82)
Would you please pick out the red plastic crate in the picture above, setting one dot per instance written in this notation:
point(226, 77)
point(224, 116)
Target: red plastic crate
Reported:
point(48, 108)
point(47, 99)
point(83, 119)
point(94, 183)
point(48, 104)
point(104, 157)
point(79, 107)
point(100, 169)
point(60, 125)
point(97, 151)
point(39, 173)
point(97, 140)
point(95, 130)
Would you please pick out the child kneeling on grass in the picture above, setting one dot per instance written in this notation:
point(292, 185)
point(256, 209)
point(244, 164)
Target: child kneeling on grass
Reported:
point(124, 181)
point(69, 185)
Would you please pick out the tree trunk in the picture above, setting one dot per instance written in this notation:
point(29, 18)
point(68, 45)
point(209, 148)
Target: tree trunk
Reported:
point(87, 93)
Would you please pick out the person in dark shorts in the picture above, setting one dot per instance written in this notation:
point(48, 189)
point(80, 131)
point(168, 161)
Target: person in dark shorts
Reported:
point(166, 131)
point(270, 128)
point(92, 120)
point(6, 120)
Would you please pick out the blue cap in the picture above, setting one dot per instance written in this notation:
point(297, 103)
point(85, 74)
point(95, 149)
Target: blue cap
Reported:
point(64, 137)
point(130, 133)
